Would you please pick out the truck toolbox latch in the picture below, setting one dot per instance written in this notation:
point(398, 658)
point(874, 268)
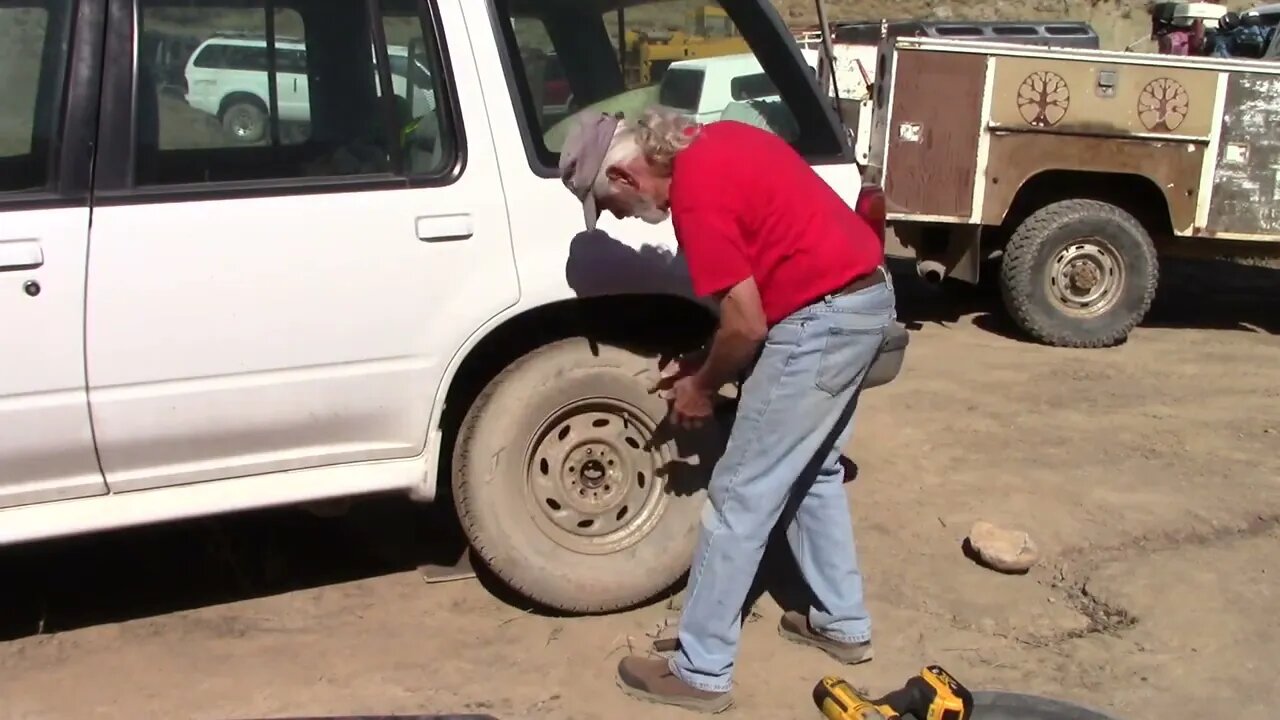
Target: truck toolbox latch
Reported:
point(1106, 83)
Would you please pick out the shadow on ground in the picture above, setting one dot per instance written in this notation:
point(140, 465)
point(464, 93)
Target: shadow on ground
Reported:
point(67, 584)
point(110, 577)
point(1193, 294)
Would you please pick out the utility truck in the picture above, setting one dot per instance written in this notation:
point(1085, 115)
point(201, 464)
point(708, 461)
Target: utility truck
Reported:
point(1021, 153)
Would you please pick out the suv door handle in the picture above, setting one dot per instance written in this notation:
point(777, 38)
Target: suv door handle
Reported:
point(23, 254)
point(435, 228)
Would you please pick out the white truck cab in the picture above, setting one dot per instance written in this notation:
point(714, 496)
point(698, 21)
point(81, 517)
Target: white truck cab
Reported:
point(399, 299)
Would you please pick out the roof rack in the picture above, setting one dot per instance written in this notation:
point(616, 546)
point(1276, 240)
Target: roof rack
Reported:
point(1024, 32)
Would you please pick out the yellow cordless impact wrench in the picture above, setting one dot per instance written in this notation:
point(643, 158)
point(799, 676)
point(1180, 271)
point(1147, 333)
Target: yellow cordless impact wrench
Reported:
point(931, 695)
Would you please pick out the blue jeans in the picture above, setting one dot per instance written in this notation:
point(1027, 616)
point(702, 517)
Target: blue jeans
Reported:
point(794, 416)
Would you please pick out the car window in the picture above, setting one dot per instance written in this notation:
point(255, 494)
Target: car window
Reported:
point(213, 55)
point(680, 89)
point(750, 87)
point(32, 80)
point(426, 130)
point(568, 56)
point(221, 98)
point(292, 61)
point(311, 103)
point(399, 65)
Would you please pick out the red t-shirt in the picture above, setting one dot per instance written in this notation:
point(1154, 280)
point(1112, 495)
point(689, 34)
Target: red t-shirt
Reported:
point(744, 203)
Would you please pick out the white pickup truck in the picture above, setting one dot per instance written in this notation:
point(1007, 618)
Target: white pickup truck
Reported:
point(194, 325)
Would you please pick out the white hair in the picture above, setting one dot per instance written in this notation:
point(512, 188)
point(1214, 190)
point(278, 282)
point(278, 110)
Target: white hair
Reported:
point(659, 135)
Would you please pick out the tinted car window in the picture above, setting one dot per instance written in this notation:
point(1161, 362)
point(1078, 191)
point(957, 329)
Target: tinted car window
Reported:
point(32, 80)
point(680, 89)
point(750, 87)
point(211, 56)
point(271, 121)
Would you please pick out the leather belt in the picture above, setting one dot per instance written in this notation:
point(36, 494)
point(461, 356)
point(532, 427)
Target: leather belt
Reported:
point(871, 279)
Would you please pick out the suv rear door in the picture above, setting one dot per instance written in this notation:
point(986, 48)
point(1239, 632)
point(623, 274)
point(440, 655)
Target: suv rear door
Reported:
point(293, 303)
point(49, 104)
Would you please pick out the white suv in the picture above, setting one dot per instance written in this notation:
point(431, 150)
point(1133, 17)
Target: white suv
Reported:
point(195, 327)
point(227, 76)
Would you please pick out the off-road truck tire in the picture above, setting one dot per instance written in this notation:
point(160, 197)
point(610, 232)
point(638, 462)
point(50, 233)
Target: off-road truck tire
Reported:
point(1071, 242)
point(553, 446)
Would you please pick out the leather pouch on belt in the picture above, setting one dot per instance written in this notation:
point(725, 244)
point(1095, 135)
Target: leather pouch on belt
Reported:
point(888, 362)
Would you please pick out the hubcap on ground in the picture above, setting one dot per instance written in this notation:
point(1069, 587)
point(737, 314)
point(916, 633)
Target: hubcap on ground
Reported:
point(592, 476)
point(1085, 277)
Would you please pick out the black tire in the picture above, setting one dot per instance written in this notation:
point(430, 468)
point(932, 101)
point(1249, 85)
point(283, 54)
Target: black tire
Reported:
point(1053, 257)
point(245, 121)
point(501, 486)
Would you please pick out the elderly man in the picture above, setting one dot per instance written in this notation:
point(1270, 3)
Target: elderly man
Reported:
point(802, 292)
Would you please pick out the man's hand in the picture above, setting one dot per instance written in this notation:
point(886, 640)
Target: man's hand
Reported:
point(686, 365)
point(691, 404)
point(699, 376)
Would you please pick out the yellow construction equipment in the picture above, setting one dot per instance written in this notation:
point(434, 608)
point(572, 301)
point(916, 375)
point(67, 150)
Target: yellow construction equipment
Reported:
point(708, 32)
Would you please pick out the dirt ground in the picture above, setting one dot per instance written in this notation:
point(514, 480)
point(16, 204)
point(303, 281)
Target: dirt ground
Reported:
point(1149, 474)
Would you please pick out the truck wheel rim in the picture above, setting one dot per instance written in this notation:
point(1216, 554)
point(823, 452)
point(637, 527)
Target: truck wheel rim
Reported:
point(1086, 277)
point(592, 476)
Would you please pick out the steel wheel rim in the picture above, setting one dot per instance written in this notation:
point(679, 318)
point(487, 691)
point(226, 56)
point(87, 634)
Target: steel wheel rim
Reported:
point(1086, 277)
point(591, 478)
point(243, 126)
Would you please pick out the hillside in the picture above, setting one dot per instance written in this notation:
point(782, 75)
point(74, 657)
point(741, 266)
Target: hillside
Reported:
point(1117, 22)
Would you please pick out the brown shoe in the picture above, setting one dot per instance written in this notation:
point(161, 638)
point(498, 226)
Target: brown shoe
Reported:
point(651, 680)
point(795, 627)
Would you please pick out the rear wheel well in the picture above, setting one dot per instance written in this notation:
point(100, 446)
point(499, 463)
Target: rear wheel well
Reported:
point(648, 324)
point(240, 97)
point(1136, 194)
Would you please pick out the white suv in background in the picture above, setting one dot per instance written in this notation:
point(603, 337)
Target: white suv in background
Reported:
point(228, 77)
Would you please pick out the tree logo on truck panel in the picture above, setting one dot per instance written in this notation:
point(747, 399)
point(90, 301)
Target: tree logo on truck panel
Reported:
point(1043, 98)
point(1163, 105)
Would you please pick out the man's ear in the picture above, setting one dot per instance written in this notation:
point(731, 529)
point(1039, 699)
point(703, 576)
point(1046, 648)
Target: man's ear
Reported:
point(620, 175)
